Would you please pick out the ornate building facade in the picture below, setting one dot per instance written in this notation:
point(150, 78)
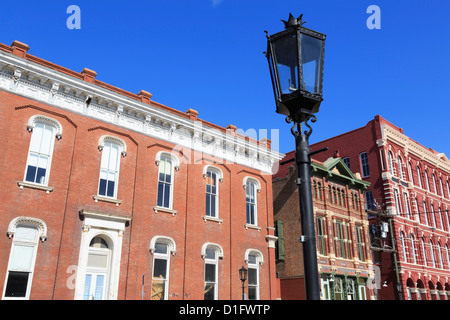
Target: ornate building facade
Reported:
point(343, 246)
point(408, 202)
point(107, 194)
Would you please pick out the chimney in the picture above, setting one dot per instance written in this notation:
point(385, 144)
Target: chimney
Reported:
point(145, 96)
point(89, 75)
point(19, 49)
point(192, 114)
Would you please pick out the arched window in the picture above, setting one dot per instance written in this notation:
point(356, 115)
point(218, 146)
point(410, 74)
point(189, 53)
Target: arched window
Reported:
point(167, 163)
point(447, 255)
point(439, 253)
point(391, 165)
point(161, 248)
point(111, 149)
point(413, 248)
point(252, 186)
point(402, 238)
point(424, 252)
point(254, 260)
point(97, 269)
point(364, 164)
point(426, 180)
point(26, 233)
point(400, 169)
point(212, 175)
point(418, 176)
point(211, 253)
point(432, 257)
point(41, 148)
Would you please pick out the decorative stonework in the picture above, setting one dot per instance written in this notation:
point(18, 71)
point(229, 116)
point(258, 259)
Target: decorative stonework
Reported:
point(37, 223)
point(52, 87)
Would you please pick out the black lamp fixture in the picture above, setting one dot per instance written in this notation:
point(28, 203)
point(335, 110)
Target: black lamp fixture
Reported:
point(243, 277)
point(296, 57)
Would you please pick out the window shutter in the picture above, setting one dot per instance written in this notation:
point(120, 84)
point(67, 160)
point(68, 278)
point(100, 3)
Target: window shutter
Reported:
point(280, 242)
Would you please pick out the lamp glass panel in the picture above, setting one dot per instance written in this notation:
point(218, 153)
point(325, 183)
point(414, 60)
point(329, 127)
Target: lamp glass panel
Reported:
point(311, 62)
point(286, 56)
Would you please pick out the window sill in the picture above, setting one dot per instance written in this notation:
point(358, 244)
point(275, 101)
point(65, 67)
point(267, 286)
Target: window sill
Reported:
point(23, 184)
point(214, 219)
point(251, 226)
point(107, 199)
point(165, 210)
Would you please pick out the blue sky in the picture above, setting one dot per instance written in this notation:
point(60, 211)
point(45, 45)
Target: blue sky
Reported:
point(208, 55)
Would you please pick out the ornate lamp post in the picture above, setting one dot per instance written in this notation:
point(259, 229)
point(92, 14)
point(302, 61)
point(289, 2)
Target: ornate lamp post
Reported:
point(295, 58)
point(243, 277)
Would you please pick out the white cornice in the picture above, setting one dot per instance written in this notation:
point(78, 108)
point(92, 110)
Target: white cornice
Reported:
point(37, 82)
point(439, 161)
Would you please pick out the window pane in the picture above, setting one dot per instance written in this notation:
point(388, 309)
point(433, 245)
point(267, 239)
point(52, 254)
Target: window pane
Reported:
point(99, 287)
point(161, 248)
point(31, 173)
point(102, 187)
point(159, 269)
point(97, 261)
point(252, 293)
point(160, 194)
point(40, 176)
point(25, 233)
point(210, 272)
point(17, 284)
point(213, 206)
point(113, 157)
point(110, 192)
point(36, 137)
point(166, 195)
point(87, 287)
point(208, 204)
point(22, 258)
point(210, 253)
point(252, 276)
point(105, 156)
point(209, 291)
point(46, 140)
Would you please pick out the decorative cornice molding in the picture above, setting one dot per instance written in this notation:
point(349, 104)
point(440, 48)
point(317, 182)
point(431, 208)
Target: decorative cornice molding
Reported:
point(52, 87)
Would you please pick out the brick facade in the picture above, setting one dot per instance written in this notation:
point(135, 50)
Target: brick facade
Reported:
point(414, 211)
point(342, 236)
point(68, 210)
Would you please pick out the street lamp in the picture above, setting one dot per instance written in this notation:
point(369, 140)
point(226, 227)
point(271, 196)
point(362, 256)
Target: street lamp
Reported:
point(295, 57)
point(243, 277)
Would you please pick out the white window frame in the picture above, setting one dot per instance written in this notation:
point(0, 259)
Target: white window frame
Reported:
point(111, 228)
point(413, 248)
point(259, 260)
point(405, 197)
point(218, 256)
point(108, 142)
point(162, 256)
point(400, 169)
point(418, 177)
point(219, 178)
point(174, 163)
point(41, 233)
point(56, 131)
point(391, 165)
point(426, 180)
point(251, 184)
point(364, 164)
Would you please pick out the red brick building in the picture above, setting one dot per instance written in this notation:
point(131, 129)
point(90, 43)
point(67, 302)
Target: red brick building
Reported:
point(410, 226)
point(108, 194)
point(344, 257)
